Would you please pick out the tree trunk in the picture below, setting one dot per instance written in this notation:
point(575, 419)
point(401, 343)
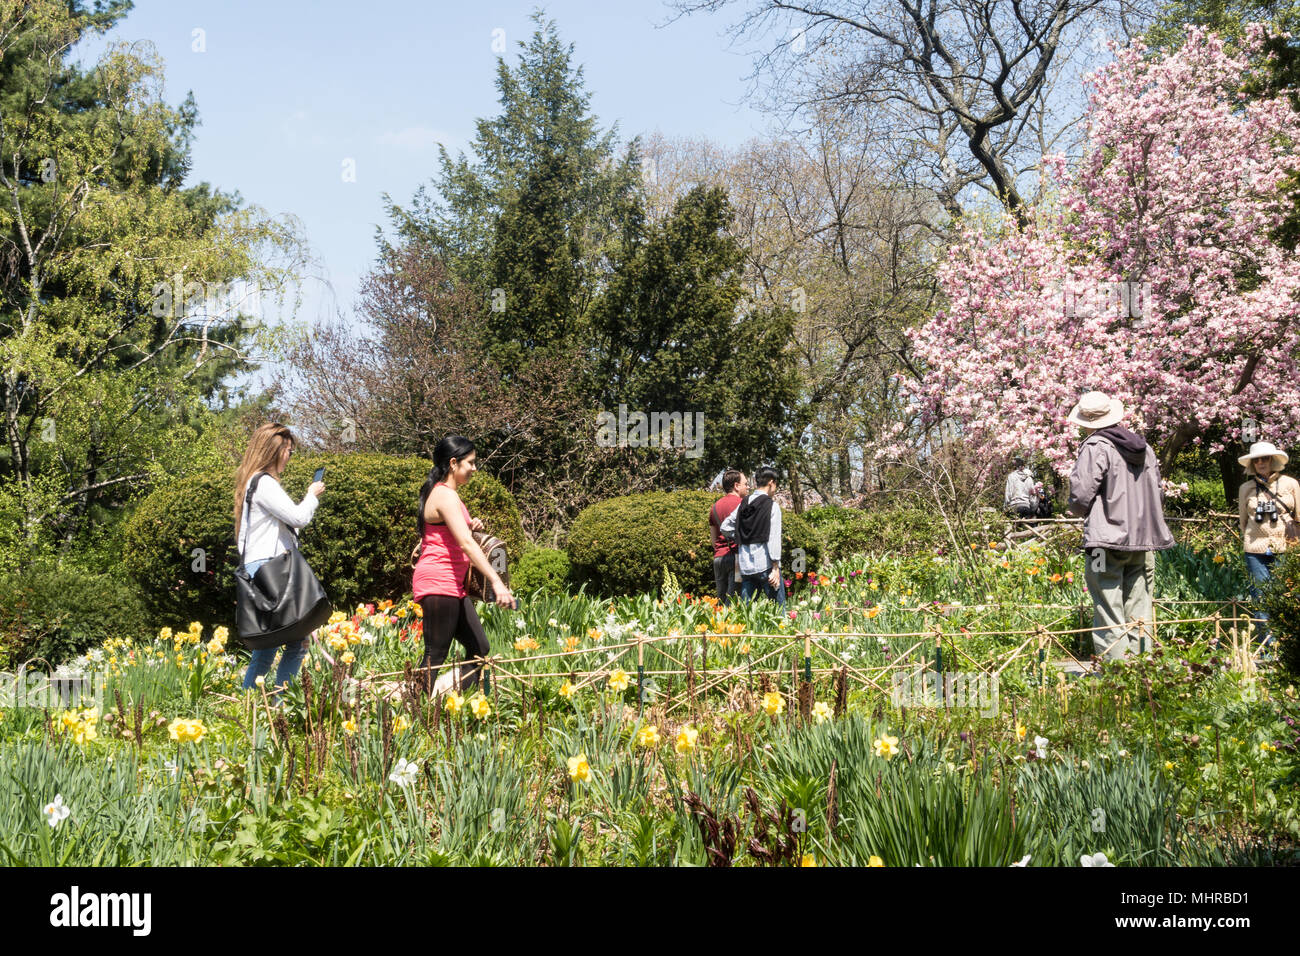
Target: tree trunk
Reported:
point(796, 490)
point(1231, 474)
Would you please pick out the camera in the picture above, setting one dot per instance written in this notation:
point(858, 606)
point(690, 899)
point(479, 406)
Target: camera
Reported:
point(1265, 510)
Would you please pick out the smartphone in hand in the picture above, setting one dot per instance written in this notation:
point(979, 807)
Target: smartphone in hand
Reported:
point(319, 476)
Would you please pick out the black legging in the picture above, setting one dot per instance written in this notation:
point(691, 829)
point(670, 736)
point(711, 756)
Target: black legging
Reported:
point(446, 617)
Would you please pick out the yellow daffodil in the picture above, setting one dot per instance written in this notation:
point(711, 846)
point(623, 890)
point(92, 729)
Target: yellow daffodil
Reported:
point(886, 747)
point(1021, 730)
point(822, 711)
point(875, 861)
point(773, 703)
point(350, 726)
point(579, 770)
point(453, 702)
point(648, 736)
point(401, 722)
point(184, 730)
point(686, 740)
point(808, 860)
point(165, 634)
point(618, 681)
point(84, 732)
point(1169, 765)
point(526, 644)
point(480, 707)
point(348, 658)
point(567, 690)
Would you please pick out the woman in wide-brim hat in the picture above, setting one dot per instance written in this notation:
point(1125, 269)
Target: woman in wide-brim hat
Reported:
point(1267, 505)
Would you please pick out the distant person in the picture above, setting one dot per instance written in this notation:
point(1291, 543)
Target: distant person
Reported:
point(735, 487)
point(1115, 487)
point(756, 527)
point(269, 526)
point(447, 549)
point(1267, 504)
point(1020, 497)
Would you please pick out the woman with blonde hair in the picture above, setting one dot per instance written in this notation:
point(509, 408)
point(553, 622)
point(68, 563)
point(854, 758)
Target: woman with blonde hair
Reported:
point(1267, 505)
point(265, 527)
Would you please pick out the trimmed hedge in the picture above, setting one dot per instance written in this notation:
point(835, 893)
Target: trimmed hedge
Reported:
point(849, 532)
point(56, 613)
point(621, 546)
point(540, 571)
point(358, 542)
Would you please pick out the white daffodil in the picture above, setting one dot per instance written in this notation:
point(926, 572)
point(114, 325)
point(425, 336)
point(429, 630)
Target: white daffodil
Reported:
point(1040, 746)
point(1023, 861)
point(1097, 859)
point(55, 811)
point(172, 768)
point(405, 773)
point(520, 623)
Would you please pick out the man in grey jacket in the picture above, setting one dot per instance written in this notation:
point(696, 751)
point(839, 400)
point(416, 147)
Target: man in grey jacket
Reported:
point(1115, 487)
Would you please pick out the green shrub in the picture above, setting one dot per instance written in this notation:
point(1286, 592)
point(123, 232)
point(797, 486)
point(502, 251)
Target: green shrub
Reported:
point(849, 532)
point(56, 613)
point(1281, 599)
point(621, 546)
point(540, 571)
point(1202, 495)
point(358, 542)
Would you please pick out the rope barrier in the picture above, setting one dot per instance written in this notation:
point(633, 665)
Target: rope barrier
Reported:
point(1044, 636)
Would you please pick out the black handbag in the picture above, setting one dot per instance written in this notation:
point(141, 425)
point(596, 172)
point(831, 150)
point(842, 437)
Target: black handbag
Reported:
point(283, 602)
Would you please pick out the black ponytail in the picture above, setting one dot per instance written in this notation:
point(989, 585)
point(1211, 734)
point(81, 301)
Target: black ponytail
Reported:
point(453, 446)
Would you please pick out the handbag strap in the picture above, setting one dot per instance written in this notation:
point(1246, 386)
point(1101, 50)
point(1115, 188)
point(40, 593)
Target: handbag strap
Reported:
point(1269, 491)
point(248, 507)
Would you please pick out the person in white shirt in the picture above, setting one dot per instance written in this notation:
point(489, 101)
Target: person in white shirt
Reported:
point(756, 526)
point(265, 530)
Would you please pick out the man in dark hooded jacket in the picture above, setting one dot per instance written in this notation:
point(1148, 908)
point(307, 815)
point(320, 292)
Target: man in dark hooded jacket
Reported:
point(1115, 487)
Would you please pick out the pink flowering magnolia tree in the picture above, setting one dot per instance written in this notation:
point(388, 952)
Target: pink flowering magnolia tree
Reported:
point(1153, 279)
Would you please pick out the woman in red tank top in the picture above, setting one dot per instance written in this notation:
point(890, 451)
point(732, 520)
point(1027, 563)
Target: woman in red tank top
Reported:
point(438, 582)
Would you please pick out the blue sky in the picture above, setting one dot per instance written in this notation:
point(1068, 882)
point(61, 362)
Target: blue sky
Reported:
point(288, 91)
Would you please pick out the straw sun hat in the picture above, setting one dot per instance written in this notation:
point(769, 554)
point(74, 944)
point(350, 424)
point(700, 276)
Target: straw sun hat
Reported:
point(1263, 449)
point(1096, 410)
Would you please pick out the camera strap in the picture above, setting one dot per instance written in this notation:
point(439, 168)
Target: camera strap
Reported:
point(1268, 491)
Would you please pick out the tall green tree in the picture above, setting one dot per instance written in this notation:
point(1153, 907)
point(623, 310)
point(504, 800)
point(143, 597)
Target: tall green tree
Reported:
point(118, 322)
point(531, 218)
point(672, 337)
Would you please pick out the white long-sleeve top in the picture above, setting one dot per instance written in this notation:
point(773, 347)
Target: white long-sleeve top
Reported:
point(269, 523)
point(757, 558)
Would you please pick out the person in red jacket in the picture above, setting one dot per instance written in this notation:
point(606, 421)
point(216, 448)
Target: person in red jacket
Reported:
point(724, 551)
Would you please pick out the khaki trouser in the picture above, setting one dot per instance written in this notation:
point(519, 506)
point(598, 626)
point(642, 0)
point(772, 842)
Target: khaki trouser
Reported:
point(1121, 584)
